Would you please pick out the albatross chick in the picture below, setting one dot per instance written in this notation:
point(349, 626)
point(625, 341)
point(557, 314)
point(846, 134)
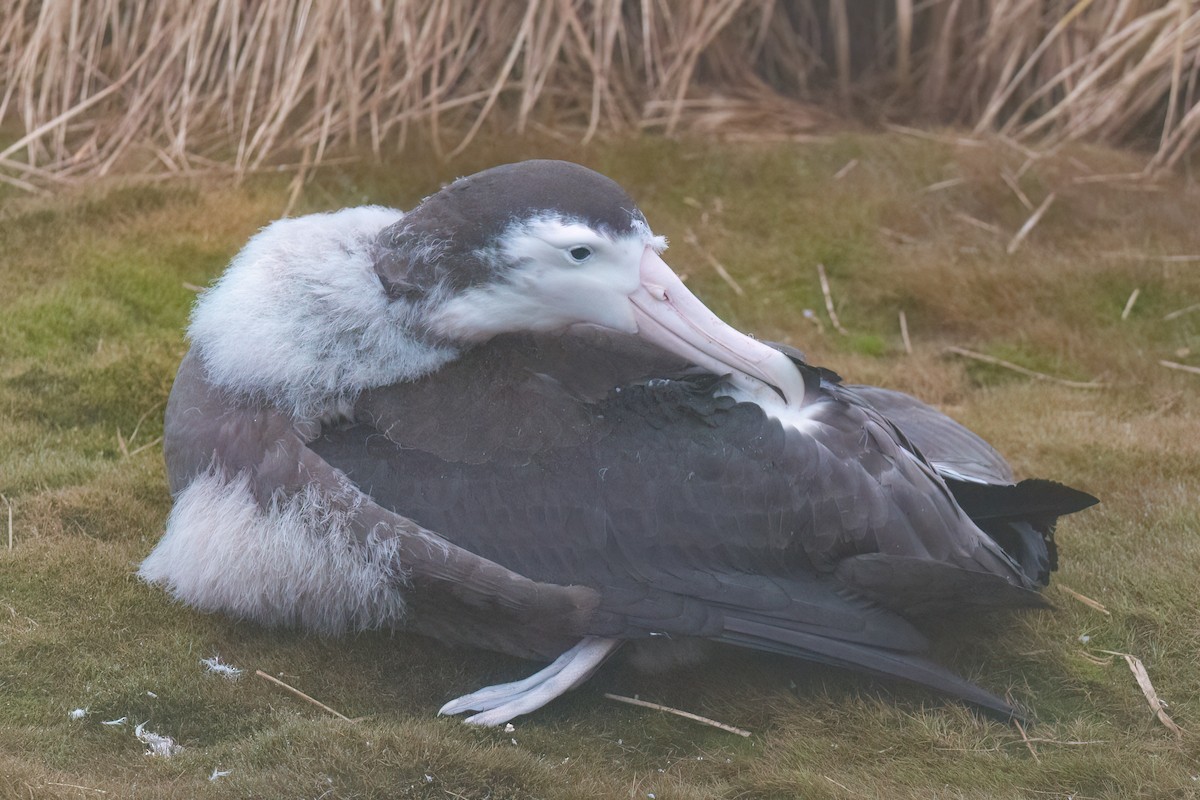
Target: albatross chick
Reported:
point(501, 420)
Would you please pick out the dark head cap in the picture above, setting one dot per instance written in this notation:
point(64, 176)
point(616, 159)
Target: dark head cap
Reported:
point(441, 239)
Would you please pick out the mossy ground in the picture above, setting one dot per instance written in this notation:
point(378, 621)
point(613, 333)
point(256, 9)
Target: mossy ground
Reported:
point(91, 329)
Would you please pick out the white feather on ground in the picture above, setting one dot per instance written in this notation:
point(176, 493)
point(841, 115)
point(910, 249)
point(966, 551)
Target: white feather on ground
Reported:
point(156, 744)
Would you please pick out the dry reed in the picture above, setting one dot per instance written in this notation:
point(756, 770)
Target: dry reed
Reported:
point(633, 701)
point(92, 87)
point(301, 695)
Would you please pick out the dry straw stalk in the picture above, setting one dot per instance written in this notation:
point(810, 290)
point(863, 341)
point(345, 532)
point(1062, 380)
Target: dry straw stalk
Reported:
point(91, 86)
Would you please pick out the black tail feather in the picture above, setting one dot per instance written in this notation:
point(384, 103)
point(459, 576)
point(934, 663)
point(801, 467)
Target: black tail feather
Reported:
point(1021, 518)
point(1032, 499)
point(877, 661)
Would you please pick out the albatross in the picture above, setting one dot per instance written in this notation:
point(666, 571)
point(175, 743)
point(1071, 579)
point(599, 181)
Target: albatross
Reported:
point(502, 421)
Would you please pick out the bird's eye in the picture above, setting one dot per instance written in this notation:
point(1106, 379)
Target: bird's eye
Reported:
point(580, 253)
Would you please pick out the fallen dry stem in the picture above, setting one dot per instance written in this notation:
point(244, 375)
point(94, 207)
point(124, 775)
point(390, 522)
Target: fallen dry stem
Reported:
point(76, 786)
point(146, 446)
point(903, 238)
point(846, 169)
point(833, 317)
point(1143, 681)
point(841, 786)
point(1172, 259)
point(1133, 296)
point(138, 425)
point(1041, 376)
point(1180, 367)
point(301, 695)
point(10, 521)
point(1028, 744)
point(949, 183)
point(633, 701)
point(977, 223)
point(1100, 662)
point(1180, 312)
point(1033, 220)
point(1016, 189)
point(1119, 177)
point(1087, 601)
point(690, 237)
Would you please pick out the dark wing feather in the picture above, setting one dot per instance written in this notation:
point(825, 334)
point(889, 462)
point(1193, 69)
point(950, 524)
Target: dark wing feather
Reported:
point(946, 443)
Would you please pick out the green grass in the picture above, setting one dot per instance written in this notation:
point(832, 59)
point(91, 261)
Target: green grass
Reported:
point(91, 332)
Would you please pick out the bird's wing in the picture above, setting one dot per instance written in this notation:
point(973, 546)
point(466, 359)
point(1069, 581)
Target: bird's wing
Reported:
point(255, 505)
point(688, 513)
point(954, 450)
point(1020, 516)
point(662, 471)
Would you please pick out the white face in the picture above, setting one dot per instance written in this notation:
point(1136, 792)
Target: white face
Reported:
point(566, 273)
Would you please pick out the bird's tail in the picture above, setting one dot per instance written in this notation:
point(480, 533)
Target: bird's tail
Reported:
point(1021, 518)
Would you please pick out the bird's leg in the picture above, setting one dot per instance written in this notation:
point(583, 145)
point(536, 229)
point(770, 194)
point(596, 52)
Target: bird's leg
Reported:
point(502, 702)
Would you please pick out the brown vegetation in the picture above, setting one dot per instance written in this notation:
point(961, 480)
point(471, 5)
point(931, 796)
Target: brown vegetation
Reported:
point(92, 87)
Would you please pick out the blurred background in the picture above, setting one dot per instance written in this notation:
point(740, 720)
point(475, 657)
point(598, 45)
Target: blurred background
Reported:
point(90, 87)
